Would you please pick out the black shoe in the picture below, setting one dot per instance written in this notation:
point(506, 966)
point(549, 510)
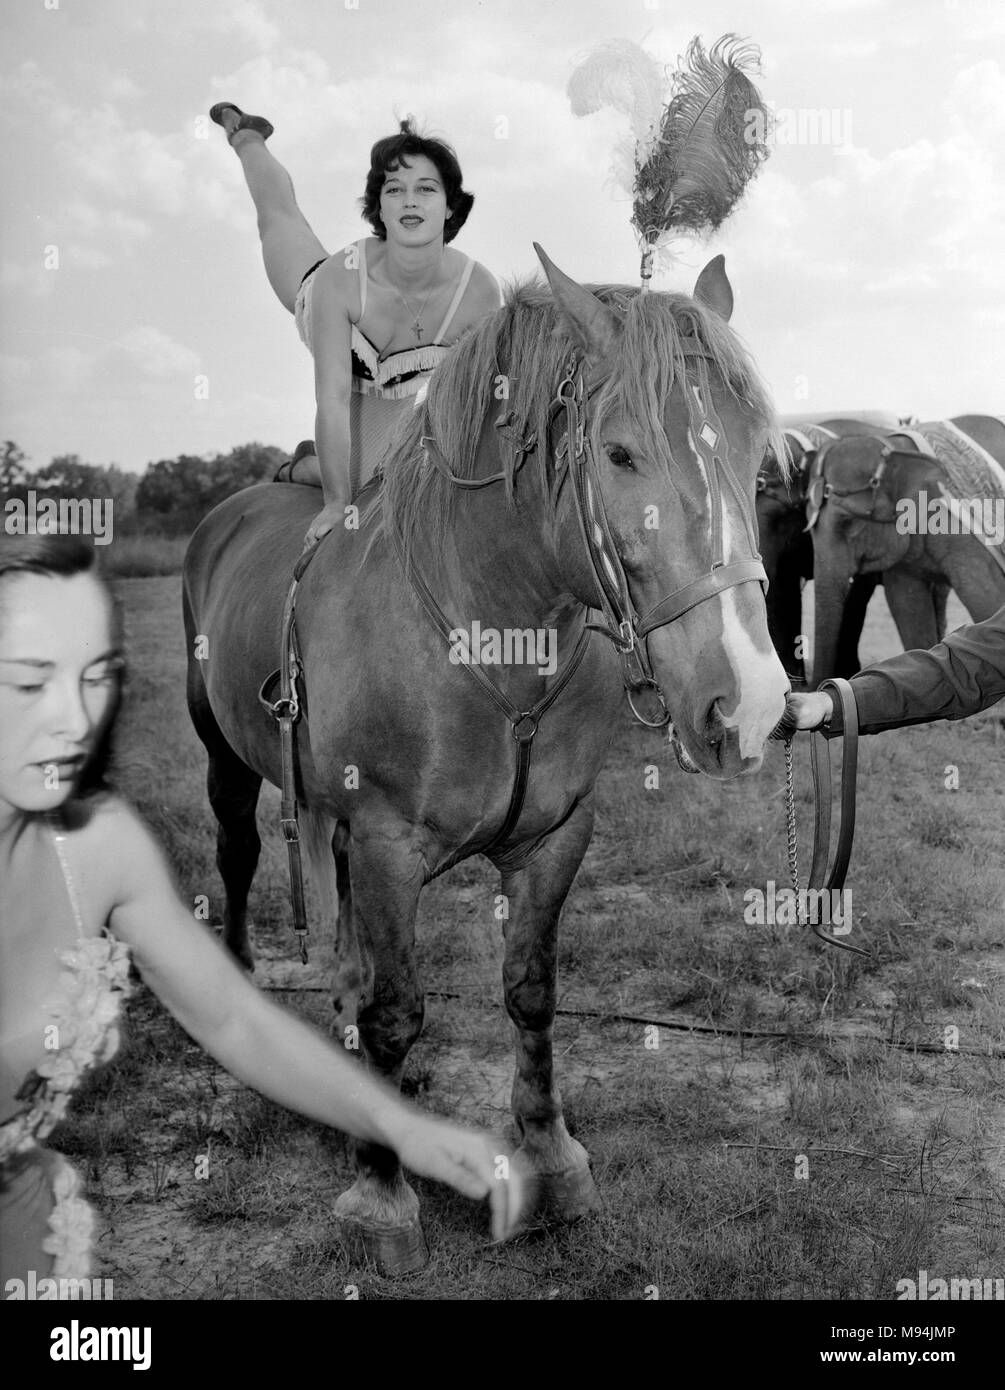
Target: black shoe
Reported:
point(257, 123)
point(305, 449)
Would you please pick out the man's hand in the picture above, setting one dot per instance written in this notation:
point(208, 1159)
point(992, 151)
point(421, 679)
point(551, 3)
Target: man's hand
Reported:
point(328, 518)
point(809, 711)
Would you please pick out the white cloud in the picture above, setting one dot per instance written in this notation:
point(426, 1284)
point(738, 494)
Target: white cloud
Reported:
point(976, 102)
point(26, 278)
point(156, 355)
point(244, 19)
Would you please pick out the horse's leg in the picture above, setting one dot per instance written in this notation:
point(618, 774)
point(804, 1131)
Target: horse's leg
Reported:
point(940, 598)
point(351, 981)
point(535, 895)
point(233, 794)
point(376, 966)
point(326, 843)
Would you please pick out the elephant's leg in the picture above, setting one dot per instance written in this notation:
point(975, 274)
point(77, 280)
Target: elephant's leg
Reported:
point(375, 969)
point(785, 618)
point(913, 605)
point(860, 591)
point(535, 895)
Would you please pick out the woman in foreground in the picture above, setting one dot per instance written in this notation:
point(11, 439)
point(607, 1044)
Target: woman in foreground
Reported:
point(84, 888)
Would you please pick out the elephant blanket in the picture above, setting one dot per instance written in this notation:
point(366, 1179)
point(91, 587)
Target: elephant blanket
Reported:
point(973, 474)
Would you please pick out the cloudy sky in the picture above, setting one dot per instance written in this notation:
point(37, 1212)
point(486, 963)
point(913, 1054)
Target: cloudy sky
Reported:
point(868, 270)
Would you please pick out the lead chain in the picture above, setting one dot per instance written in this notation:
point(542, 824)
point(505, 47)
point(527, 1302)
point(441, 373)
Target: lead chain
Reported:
point(790, 825)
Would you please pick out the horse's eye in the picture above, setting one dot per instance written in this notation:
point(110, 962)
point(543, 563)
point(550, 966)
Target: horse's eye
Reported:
point(621, 458)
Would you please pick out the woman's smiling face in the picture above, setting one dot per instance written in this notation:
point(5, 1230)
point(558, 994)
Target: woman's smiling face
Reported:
point(59, 674)
point(413, 203)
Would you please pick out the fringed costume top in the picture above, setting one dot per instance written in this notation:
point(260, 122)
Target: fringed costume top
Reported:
point(383, 388)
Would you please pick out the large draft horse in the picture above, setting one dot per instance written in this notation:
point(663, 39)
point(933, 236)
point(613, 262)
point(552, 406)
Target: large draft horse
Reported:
point(674, 425)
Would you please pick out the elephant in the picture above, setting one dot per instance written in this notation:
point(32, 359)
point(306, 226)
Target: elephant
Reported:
point(787, 548)
point(858, 493)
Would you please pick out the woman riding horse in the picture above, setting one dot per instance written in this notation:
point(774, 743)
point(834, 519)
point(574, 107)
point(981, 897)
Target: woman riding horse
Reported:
point(377, 316)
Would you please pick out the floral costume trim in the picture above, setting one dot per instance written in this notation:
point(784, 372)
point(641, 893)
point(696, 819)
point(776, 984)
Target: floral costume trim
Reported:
point(82, 1032)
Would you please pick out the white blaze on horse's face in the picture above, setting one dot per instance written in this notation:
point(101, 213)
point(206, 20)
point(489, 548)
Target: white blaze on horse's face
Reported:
point(715, 663)
point(758, 676)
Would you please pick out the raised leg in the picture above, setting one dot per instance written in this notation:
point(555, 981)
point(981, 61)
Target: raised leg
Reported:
point(289, 245)
point(535, 896)
point(375, 969)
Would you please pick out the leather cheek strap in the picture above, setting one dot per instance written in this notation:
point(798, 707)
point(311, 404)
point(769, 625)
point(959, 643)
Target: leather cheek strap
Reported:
point(717, 581)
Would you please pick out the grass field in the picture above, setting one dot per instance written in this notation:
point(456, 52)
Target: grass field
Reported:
point(799, 1130)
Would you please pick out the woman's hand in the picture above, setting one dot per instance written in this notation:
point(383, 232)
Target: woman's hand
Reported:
point(471, 1161)
point(810, 710)
point(331, 515)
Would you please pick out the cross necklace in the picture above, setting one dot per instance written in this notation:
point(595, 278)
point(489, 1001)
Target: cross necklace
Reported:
point(416, 317)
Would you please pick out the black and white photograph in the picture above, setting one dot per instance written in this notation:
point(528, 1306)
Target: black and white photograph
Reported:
point(502, 634)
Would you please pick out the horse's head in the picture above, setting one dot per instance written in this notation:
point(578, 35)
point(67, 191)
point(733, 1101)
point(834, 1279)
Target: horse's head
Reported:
point(678, 429)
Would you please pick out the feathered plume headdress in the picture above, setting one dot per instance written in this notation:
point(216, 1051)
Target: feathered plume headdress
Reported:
point(694, 148)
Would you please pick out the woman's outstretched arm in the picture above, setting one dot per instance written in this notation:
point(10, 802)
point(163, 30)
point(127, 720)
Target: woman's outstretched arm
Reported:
point(332, 348)
point(271, 1049)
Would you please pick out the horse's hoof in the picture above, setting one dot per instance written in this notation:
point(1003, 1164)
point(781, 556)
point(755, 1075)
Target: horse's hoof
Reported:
point(393, 1249)
point(566, 1196)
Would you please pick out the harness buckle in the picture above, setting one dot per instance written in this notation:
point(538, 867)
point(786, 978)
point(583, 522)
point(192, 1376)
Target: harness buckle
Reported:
point(290, 827)
point(521, 733)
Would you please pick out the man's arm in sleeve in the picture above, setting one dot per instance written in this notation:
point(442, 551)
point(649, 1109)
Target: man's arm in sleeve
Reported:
point(961, 675)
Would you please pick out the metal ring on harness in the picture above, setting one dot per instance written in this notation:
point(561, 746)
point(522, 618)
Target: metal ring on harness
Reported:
point(660, 723)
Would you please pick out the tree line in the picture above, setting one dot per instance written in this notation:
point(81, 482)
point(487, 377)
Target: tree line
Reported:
point(169, 498)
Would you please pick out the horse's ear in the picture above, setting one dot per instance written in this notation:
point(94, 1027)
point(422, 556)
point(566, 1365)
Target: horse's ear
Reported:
point(593, 325)
point(713, 289)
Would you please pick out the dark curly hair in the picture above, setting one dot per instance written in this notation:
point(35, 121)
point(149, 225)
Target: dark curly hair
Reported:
point(62, 556)
point(386, 158)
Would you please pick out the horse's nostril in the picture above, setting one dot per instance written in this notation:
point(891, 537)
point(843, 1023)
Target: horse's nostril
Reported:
point(715, 727)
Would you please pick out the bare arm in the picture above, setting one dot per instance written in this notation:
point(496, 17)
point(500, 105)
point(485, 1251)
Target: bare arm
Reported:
point(484, 291)
point(269, 1048)
point(333, 389)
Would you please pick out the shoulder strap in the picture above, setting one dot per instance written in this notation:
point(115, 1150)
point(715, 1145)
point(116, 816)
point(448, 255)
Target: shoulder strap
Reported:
point(458, 296)
point(59, 843)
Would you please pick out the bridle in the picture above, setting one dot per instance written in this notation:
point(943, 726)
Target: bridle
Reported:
point(574, 459)
point(774, 486)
